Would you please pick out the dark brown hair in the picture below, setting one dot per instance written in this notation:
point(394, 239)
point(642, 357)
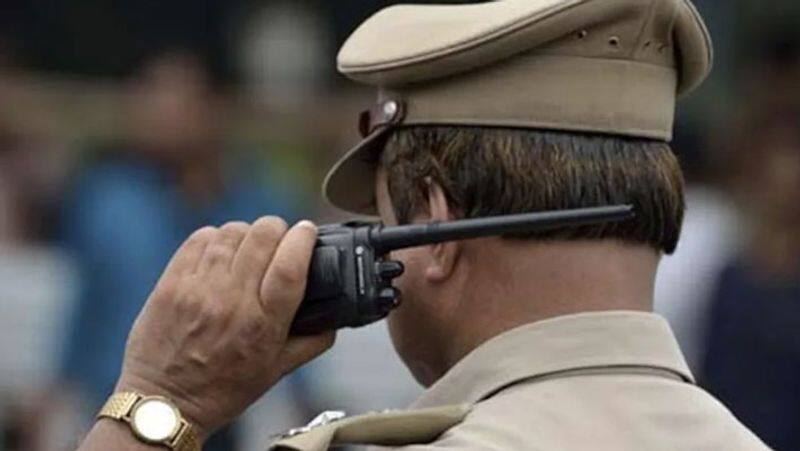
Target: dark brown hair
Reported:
point(495, 171)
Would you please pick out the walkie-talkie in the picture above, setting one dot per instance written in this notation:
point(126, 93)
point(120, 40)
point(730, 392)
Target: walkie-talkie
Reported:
point(350, 279)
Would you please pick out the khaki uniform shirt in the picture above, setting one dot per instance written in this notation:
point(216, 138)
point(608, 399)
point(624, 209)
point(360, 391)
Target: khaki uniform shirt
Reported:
point(592, 381)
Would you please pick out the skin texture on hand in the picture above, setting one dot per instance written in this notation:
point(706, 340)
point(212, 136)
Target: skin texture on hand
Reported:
point(214, 334)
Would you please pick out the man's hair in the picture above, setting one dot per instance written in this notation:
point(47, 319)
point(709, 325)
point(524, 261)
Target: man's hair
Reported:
point(495, 171)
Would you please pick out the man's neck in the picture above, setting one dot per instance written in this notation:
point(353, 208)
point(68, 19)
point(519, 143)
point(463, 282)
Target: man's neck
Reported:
point(530, 282)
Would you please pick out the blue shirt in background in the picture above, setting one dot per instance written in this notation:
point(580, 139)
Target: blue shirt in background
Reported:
point(753, 353)
point(123, 222)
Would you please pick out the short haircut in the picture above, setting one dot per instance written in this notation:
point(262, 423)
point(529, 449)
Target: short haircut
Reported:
point(494, 171)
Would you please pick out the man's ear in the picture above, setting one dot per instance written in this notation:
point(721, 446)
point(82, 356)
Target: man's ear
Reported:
point(443, 255)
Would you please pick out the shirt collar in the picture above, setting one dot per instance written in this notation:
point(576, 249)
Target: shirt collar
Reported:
point(573, 342)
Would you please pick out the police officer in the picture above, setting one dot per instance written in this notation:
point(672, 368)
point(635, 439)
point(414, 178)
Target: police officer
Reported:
point(544, 341)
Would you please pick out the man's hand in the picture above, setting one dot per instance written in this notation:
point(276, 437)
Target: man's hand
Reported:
point(214, 334)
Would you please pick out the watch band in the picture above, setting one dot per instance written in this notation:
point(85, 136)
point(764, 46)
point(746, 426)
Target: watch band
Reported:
point(120, 405)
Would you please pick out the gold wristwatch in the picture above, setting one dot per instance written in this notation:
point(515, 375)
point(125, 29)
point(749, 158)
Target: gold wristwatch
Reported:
point(154, 420)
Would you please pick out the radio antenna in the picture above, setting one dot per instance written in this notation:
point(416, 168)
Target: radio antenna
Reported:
point(387, 239)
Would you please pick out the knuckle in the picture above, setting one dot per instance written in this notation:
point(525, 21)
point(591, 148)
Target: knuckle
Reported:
point(287, 276)
point(190, 298)
point(272, 227)
point(199, 301)
point(203, 234)
point(168, 290)
point(218, 253)
point(235, 227)
point(213, 309)
point(234, 230)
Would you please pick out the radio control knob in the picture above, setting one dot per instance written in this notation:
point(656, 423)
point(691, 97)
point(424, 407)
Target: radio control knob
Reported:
point(389, 296)
point(389, 269)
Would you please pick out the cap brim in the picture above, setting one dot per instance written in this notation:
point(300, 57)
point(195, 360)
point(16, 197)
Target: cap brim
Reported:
point(350, 184)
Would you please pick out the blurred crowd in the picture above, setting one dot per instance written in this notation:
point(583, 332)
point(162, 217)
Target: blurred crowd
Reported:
point(122, 130)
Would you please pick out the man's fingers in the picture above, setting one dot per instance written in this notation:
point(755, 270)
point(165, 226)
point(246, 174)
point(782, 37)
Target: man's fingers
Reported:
point(302, 349)
point(285, 281)
point(187, 257)
point(257, 249)
point(220, 251)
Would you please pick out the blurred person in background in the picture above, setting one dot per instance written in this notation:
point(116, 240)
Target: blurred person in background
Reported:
point(709, 236)
point(8, 227)
point(134, 203)
point(752, 359)
point(709, 239)
point(36, 279)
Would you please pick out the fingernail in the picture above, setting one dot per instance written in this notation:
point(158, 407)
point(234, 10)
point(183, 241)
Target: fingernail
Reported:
point(306, 223)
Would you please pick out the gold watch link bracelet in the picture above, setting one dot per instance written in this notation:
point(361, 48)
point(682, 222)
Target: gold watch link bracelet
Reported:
point(154, 420)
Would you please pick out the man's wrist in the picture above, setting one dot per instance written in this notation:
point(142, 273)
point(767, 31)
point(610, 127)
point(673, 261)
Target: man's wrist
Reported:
point(190, 412)
point(109, 434)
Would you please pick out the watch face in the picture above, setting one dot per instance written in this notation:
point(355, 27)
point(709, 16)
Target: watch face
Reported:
point(155, 419)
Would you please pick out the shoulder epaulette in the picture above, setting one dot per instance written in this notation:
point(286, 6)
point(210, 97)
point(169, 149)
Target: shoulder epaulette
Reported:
point(392, 428)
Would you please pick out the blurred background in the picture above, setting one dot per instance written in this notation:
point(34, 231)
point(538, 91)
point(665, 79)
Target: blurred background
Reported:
point(125, 125)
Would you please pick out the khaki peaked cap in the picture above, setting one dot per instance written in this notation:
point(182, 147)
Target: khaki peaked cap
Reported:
point(602, 66)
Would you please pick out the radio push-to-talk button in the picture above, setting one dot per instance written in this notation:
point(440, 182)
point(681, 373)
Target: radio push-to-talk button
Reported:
point(389, 269)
